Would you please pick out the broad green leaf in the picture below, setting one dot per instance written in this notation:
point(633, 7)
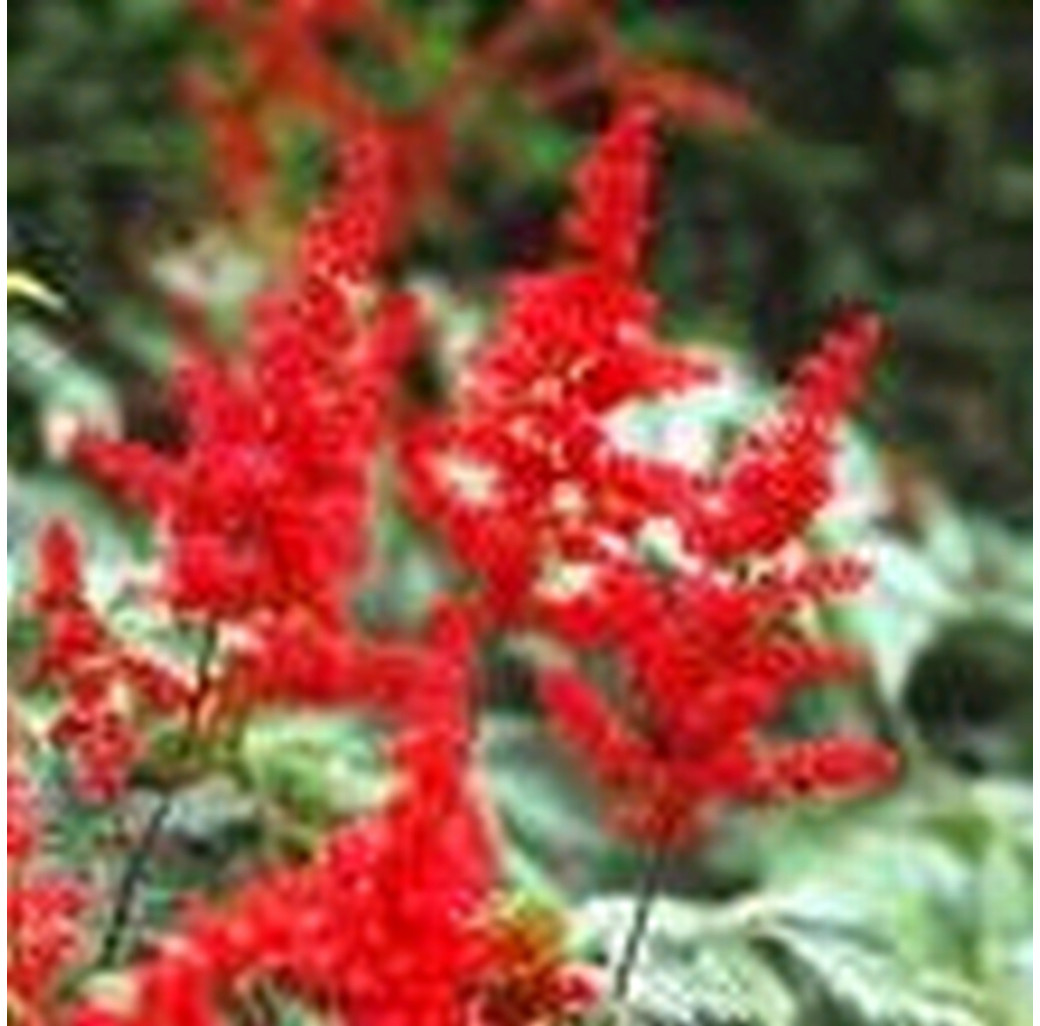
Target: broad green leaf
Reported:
point(858, 930)
point(719, 983)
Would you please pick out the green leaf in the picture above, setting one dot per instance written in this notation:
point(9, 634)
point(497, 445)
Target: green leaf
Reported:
point(809, 955)
point(724, 983)
point(317, 767)
point(58, 381)
point(549, 821)
point(110, 540)
point(868, 985)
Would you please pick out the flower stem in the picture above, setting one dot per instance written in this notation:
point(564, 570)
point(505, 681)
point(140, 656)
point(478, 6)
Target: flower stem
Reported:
point(649, 885)
point(135, 869)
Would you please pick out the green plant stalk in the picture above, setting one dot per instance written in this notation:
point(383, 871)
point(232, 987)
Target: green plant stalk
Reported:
point(649, 885)
point(135, 869)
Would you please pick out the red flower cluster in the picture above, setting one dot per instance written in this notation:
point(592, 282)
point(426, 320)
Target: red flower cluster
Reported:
point(610, 221)
point(110, 690)
point(43, 908)
point(358, 224)
point(262, 511)
point(387, 925)
point(376, 928)
point(533, 493)
point(780, 474)
point(265, 506)
point(523, 477)
point(707, 668)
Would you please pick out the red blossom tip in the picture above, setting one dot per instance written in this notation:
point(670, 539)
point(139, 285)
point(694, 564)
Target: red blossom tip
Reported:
point(829, 766)
point(59, 573)
point(612, 188)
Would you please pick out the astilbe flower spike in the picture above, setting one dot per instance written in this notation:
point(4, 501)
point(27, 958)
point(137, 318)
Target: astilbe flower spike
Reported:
point(708, 669)
point(610, 220)
point(780, 474)
point(523, 476)
point(264, 507)
point(534, 494)
point(260, 512)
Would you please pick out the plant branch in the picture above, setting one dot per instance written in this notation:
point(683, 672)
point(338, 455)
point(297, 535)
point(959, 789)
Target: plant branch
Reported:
point(649, 885)
point(135, 869)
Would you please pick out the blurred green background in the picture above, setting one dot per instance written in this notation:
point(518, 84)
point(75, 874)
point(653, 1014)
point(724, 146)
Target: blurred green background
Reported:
point(891, 163)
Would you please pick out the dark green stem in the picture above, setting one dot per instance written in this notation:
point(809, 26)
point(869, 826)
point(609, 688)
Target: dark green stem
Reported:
point(649, 885)
point(134, 872)
point(135, 869)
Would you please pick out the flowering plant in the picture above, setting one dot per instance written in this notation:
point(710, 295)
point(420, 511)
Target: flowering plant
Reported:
point(665, 678)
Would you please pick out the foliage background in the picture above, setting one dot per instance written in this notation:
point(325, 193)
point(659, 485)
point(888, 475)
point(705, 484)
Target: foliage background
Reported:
point(892, 164)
